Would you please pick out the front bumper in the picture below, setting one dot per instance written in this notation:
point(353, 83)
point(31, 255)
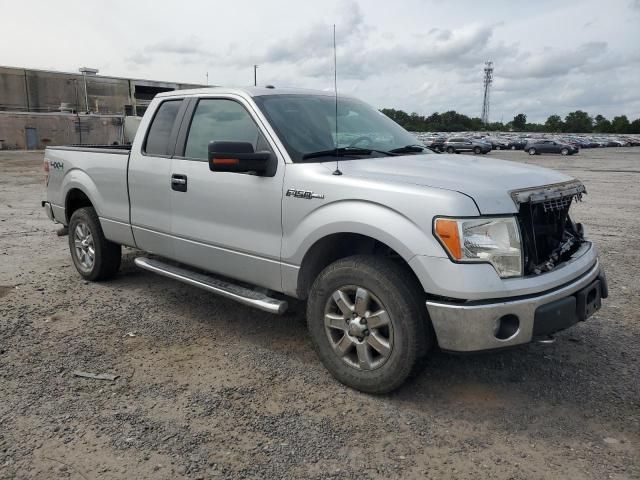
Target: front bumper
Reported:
point(474, 326)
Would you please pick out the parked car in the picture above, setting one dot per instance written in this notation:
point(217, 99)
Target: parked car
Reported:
point(395, 249)
point(550, 146)
point(516, 144)
point(497, 143)
point(435, 143)
point(462, 144)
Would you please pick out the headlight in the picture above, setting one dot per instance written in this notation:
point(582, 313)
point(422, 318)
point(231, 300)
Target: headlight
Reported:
point(488, 240)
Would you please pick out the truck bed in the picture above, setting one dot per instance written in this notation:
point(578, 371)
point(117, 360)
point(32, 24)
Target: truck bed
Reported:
point(99, 172)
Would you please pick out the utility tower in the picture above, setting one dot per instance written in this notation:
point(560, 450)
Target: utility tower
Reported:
point(488, 80)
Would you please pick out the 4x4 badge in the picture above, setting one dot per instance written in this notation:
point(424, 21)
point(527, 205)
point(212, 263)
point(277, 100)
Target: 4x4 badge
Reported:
point(294, 192)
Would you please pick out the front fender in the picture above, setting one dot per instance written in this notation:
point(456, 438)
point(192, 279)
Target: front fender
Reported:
point(371, 219)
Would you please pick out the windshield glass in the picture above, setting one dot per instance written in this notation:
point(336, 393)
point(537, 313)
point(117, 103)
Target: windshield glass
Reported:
point(306, 125)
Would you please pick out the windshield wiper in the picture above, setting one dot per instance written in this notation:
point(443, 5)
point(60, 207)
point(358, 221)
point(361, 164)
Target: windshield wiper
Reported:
point(342, 151)
point(409, 149)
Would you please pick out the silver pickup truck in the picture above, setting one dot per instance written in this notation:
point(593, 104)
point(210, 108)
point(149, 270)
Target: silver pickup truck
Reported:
point(260, 194)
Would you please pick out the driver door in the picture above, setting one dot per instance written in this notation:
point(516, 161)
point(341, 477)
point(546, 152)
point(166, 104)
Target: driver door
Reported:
point(226, 222)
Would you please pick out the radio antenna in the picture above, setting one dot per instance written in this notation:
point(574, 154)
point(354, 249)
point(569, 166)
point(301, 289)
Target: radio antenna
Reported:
point(335, 90)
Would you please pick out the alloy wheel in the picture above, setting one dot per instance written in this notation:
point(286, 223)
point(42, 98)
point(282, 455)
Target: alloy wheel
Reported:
point(84, 247)
point(359, 328)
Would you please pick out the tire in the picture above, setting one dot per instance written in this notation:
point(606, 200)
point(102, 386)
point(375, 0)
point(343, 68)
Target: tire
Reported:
point(532, 151)
point(451, 150)
point(564, 151)
point(498, 147)
point(477, 150)
point(513, 147)
point(86, 237)
point(406, 335)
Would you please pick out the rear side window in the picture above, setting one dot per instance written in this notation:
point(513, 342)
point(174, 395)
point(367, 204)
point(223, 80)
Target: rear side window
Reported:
point(160, 129)
point(217, 119)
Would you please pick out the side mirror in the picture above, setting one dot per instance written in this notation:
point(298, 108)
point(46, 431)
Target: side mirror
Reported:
point(239, 157)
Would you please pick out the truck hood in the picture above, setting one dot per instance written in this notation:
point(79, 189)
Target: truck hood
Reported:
point(488, 181)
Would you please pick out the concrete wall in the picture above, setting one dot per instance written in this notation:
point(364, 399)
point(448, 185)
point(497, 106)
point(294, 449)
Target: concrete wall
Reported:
point(58, 129)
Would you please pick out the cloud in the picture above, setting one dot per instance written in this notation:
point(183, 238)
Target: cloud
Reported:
point(139, 59)
point(425, 65)
point(552, 63)
point(360, 53)
point(176, 46)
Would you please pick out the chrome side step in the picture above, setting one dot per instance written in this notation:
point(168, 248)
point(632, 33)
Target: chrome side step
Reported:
point(223, 288)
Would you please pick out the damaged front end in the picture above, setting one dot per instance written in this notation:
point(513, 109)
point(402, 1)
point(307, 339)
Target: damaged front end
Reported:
point(549, 236)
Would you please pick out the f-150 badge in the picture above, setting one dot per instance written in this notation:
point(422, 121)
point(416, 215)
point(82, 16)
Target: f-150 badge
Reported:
point(294, 192)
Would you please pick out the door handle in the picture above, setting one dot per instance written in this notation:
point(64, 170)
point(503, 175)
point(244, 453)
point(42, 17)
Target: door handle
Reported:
point(179, 182)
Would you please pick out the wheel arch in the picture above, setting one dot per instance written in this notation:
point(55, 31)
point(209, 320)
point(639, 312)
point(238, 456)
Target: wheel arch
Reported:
point(75, 198)
point(336, 246)
point(79, 191)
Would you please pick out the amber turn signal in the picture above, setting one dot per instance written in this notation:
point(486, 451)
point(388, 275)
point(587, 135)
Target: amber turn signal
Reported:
point(448, 233)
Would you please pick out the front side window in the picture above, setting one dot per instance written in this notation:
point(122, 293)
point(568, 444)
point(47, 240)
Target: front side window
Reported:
point(160, 130)
point(306, 124)
point(217, 119)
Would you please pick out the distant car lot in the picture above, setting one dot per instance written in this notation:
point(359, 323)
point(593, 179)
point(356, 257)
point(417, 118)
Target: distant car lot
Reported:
point(207, 388)
point(439, 141)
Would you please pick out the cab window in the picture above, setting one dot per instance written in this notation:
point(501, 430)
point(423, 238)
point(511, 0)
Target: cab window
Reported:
point(157, 142)
point(217, 119)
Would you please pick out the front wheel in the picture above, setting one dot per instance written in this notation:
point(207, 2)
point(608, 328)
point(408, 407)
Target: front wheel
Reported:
point(513, 147)
point(95, 257)
point(564, 151)
point(368, 322)
point(532, 151)
point(477, 150)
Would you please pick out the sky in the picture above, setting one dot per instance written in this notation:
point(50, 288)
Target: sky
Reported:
point(416, 55)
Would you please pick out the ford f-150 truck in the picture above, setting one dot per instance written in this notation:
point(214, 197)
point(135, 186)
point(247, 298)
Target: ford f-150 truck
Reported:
point(260, 194)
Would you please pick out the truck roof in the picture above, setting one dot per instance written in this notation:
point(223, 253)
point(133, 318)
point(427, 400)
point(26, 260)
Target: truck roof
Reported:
point(248, 91)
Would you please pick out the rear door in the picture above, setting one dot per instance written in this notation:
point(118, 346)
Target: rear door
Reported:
point(149, 178)
point(226, 222)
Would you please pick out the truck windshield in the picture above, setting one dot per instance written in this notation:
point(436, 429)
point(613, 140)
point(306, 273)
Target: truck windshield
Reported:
point(306, 126)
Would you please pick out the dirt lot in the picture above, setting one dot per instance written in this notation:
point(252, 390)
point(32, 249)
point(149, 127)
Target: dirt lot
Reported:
point(211, 389)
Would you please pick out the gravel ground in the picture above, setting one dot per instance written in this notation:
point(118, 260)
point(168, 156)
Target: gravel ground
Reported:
point(211, 389)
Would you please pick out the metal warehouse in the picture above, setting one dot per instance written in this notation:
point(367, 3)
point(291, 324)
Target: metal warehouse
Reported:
point(41, 107)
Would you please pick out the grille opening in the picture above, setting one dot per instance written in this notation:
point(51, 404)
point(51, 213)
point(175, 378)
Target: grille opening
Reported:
point(549, 235)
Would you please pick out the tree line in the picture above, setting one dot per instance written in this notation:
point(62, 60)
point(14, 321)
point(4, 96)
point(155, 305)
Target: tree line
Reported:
point(574, 122)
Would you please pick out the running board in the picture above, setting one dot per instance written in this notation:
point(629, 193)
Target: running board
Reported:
point(223, 288)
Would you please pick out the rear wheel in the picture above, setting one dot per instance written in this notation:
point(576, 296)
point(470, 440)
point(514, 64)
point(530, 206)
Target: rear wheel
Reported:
point(477, 150)
point(498, 147)
point(450, 150)
point(564, 151)
point(532, 151)
point(95, 257)
point(513, 147)
point(367, 322)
